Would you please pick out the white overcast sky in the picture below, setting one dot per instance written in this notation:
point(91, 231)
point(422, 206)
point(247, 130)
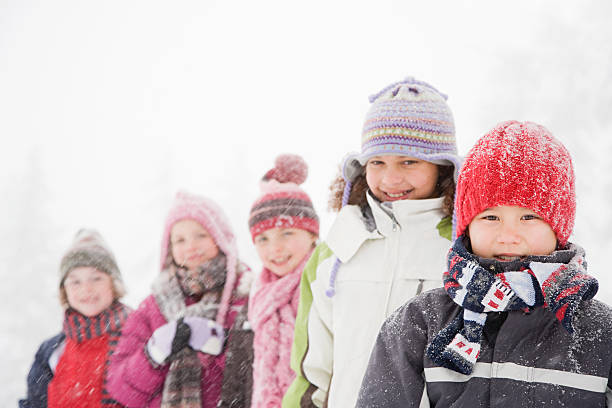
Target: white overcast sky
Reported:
point(107, 108)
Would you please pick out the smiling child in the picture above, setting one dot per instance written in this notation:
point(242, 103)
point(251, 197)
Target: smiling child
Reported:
point(284, 227)
point(70, 369)
point(390, 235)
point(186, 344)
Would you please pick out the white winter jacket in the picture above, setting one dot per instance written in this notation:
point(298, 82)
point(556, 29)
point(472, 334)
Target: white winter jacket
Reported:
point(381, 269)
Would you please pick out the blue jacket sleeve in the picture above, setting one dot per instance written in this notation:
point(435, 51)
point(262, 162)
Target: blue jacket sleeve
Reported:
point(41, 374)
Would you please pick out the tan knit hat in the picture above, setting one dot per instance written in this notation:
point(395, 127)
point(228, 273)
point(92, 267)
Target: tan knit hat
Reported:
point(89, 249)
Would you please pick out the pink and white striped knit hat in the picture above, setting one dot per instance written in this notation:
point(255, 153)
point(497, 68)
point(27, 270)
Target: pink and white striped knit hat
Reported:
point(189, 206)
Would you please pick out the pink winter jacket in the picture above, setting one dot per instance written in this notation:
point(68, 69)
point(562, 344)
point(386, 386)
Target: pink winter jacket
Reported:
point(134, 382)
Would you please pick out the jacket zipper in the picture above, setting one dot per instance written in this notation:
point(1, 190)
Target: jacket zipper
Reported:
point(393, 259)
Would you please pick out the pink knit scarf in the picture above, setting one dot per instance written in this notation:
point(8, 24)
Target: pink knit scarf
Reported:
point(272, 312)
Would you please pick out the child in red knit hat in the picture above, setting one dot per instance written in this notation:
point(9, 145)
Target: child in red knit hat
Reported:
point(284, 227)
point(187, 344)
point(515, 324)
point(70, 369)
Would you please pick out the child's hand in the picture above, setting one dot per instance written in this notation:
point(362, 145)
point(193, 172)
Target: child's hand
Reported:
point(167, 340)
point(207, 335)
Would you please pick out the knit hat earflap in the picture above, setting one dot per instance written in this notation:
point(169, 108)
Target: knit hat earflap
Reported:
point(283, 204)
point(89, 249)
point(208, 214)
point(518, 164)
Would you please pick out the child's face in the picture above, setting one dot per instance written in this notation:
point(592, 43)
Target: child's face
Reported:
point(191, 244)
point(282, 249)
point(393, 178)
point(88, 290)
point(507, 233)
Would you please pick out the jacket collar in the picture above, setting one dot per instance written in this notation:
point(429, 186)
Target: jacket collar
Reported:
point(401, 212)
point(349, 231)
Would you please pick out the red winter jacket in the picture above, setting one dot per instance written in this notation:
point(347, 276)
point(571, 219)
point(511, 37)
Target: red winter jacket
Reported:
point(79, 374)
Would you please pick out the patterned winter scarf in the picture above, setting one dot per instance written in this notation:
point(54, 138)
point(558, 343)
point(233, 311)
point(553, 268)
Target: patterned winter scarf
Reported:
point(557, 282)
point(80, 328)
point(272, 312)
point(182, 386)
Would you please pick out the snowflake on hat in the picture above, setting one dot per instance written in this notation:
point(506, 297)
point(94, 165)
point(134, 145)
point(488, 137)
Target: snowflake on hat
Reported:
point(283, 204)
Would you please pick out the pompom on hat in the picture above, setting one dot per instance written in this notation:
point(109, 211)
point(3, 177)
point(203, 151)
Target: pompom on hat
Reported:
point(88, 249)
point(187, 206)
point(408, 118)
point(283, 204)
point(518, 164)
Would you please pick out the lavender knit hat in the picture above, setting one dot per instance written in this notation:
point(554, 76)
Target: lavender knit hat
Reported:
point(211, 217)
point(408, 118)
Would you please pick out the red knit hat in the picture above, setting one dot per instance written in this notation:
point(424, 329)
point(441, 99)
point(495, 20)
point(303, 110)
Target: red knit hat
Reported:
point(518, 164)
point(283, 203)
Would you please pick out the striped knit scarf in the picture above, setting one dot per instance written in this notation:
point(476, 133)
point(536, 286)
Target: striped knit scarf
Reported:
point(183, 383)
point(272, 312)
point(80, 328)
point(533, 282)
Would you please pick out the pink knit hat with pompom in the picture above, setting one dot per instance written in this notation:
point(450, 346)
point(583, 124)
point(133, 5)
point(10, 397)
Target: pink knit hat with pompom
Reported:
point(283, 203)
point(188, 206)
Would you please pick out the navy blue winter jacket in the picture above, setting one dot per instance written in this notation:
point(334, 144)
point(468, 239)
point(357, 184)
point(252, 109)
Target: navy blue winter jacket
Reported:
point(41, 374)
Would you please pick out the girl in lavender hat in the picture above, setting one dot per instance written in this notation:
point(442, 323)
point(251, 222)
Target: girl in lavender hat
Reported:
point(188, 344)
point(393, 228)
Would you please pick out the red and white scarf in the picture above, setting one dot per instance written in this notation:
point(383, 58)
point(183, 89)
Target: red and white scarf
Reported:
point(272, 312)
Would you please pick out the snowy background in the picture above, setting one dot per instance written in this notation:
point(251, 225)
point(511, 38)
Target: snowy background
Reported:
point(107, 108)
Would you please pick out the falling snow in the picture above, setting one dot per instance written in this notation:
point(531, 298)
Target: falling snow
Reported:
point(108, 110)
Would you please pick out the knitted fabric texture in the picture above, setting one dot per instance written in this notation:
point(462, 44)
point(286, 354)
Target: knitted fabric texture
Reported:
point(272, 312)
point(182, 386)
point(79, 329)
point(283, 204)
point(518, 164)
point(209, 277)
point(212, 218)
point(541, 281)
point(408, 118)
point(88, 249)
point(170, 298)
